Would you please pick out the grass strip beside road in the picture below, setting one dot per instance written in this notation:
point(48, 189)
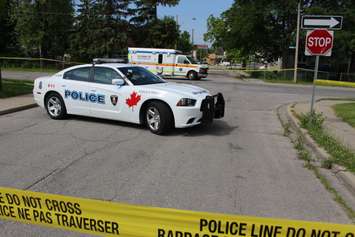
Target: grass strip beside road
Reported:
point(346, 112)
point(335, 83)
point(305, 155)
point(25, 69)
point(12, 88)
point(310, 163)
point(287, 81)
point(340, 154)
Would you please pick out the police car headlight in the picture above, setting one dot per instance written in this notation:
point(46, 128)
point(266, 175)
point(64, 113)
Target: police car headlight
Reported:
point(186, 102)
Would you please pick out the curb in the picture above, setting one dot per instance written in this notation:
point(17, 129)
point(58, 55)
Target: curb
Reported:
point(19, 108)
point(340, 172)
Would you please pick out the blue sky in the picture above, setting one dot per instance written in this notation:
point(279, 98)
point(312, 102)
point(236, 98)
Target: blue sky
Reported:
point(199, 9)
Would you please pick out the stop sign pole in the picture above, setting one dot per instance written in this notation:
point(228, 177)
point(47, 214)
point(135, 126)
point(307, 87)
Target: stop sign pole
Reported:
point(319, 42)
point(314, 84)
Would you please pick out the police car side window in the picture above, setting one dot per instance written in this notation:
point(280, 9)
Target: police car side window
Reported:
point(79, 74)
point(105, 75)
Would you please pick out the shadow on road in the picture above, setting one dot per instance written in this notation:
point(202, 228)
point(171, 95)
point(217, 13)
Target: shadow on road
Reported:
point(217, 128)
point(103, 121)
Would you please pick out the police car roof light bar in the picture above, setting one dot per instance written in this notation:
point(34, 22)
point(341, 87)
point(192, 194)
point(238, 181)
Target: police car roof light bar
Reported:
point(108, 60)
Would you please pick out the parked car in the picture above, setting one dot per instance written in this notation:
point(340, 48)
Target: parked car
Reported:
point(127, 93)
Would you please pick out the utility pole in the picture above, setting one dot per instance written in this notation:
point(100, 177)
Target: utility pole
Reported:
point(0, 79)
point(177, 29)
point(192, 37)
point(193, 32)
point(297, 41)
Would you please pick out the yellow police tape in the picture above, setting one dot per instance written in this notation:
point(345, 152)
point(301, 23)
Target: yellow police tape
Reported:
point(105, 218)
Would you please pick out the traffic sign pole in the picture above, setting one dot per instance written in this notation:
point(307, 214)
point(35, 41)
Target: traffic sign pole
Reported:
point(314, 83)
point(319, 41)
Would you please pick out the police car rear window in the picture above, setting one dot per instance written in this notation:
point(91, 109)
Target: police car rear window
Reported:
point(79, 74)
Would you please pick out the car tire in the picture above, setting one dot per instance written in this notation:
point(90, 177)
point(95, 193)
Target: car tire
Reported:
point(55, 106)
point(158, 118)
point(192, 75)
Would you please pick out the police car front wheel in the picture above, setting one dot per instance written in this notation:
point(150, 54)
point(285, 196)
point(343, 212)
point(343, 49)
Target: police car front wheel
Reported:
point(158, 118)
point(55, 106)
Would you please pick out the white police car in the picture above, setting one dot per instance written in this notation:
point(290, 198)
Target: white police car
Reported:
point(127, 93)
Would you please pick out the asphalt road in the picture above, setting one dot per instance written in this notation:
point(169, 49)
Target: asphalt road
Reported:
point(241, 164)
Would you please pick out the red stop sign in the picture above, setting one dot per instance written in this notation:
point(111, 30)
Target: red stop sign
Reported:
point(319, 42)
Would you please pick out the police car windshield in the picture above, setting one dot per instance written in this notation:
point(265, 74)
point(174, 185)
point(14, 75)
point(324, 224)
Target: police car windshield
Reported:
point(140, 76)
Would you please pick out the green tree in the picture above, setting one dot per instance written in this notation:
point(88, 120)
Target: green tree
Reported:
point(260, 28)
point(147, 10)
point(44, 26)
point(7, 34)
point(343, 56)
point(162, 34)
point(83, 37)
point(144, 21)
point(100, 29)
point(58, 25)
point(235, 56)
point(216, 28)
point(7, 27)
point(184, 42)
point(111, 31)
point(265, 29)
point(30, 27)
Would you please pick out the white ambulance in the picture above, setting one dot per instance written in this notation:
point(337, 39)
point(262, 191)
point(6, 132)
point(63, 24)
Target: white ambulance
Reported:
point(167, 63)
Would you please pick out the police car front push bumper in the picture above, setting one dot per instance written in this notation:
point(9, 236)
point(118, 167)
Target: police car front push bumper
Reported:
point(212, 107)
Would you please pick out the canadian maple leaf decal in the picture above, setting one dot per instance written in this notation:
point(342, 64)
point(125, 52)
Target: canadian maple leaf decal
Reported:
point(133, 100)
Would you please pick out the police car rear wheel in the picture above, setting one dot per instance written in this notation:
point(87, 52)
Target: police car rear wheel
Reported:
point(158, 118)
point(55, 106)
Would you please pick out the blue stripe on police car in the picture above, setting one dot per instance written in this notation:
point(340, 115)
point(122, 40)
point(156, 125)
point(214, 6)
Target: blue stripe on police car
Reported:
point(85, 96)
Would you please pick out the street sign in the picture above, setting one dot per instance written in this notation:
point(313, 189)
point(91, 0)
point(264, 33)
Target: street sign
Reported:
point(319, 42)
point(322, 22)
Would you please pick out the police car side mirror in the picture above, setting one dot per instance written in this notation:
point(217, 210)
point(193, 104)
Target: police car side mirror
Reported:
point(118, 82)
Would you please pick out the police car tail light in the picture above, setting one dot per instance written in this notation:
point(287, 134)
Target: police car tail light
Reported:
point(186, 102)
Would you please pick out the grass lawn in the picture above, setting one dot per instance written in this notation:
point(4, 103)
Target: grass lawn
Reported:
point(346, 112)
point(15, 87)
point(23, 69)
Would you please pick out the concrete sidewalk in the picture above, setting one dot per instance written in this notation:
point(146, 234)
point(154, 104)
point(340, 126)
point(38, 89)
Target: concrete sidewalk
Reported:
point(17, 103)
point(341, 130)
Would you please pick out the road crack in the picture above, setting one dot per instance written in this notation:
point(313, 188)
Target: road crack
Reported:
point(59, 170)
